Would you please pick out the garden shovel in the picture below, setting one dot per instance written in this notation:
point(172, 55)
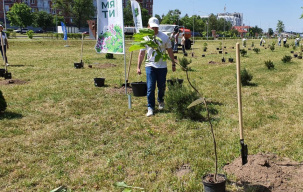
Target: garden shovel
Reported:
point(244, 151)
point(81, 64)
point(130, 61)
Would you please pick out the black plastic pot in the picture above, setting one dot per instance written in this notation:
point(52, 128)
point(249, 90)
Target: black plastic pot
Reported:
point(203, 55)
point(173, 81)
point(291, 51)
point(299, 57)
point(214, 187)
point(185, 54)
point(175, 57)
point(7, 75)
point(99, 82)
point(139, 89)
point(231, 60)
point(295, 55)
point(2, 72)
point(78, 65)
point(223, 60)
point(220, 52)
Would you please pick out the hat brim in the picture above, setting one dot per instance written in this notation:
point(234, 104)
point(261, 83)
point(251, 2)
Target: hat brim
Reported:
point(154, 25)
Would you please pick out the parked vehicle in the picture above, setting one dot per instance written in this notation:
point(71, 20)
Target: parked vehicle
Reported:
point(196, 34)
point(169, 29)
point(39, 31)
point(22, 30)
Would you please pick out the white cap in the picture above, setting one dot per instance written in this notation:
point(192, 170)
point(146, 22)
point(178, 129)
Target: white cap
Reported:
point(1, 25)
point(153, 22)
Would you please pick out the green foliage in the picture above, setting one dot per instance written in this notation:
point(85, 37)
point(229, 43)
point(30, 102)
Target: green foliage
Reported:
point(243, 52)
point(272, 47)
point(269, 64)
point(127, 188)
point(30, 34)
point(8, 34)
point(184, 62)
point(146, 37)
point(109, 56)
point(286, 45)
point(43, 19)
point(286, 59)
point(80, 10)
point(20, 15)
point(256, 50)
point(177, 99)
point(246, 77)
point(252, 44)
point(3, 104)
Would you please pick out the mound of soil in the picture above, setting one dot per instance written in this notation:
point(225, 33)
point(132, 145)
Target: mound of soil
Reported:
point(268, 172)
point(12, 82)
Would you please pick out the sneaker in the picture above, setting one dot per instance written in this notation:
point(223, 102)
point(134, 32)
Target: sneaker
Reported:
point(161, 105)
point(150, 112)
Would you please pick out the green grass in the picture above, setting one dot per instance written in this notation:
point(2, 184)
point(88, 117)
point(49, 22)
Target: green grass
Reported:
point(59, 129)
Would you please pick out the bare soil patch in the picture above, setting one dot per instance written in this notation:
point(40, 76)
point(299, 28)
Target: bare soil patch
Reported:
point(268, 172)
point(104, 65)
point(12, 82)
point(119, 90)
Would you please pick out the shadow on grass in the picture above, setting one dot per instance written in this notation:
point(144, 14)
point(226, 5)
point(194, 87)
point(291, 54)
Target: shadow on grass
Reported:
point(250, 187)
point(11, 65)
point(251, 85)
point(10, 115)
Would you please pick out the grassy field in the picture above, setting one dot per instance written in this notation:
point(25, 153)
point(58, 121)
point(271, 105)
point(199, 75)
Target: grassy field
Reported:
point(59, 129)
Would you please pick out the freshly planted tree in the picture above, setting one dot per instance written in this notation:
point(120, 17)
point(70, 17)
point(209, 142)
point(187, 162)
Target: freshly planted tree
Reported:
point(20, 15)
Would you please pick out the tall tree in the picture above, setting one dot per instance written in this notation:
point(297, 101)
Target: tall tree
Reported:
point(43, 19)
point(270, 31)
point(20, 15)
point(172, 17)
point(79, 10)
point(280, 26)
point(83, 10)
point(255, 30)
point(159, 18)
point(128, 15)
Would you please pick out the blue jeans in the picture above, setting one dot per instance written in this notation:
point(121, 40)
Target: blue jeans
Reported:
point(175, 47)
point(153, 76)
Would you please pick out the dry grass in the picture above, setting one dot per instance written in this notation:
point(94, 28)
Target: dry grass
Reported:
point(61, 130)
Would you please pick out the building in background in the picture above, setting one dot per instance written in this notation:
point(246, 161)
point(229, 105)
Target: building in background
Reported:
point(236, 19)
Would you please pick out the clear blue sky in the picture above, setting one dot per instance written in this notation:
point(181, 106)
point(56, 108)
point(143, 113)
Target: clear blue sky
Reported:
point(263, 13)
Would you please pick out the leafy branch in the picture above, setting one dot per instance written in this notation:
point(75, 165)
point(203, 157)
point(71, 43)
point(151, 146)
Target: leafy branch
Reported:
point(146, 37)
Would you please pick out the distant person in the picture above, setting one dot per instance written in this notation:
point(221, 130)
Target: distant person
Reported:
point(279, 41)
point(5, 44)
point(244, 42)
point(176, 42)
point(261, 41)
point(172, 38)
point(284, 41)
point(297, 41)
point(183, 43)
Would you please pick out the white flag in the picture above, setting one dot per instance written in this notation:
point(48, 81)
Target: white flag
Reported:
point(110, 27)
point(137, 15)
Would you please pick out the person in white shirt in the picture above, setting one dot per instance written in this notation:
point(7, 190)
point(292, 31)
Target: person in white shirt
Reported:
point(155, 71)
point(5, 43)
